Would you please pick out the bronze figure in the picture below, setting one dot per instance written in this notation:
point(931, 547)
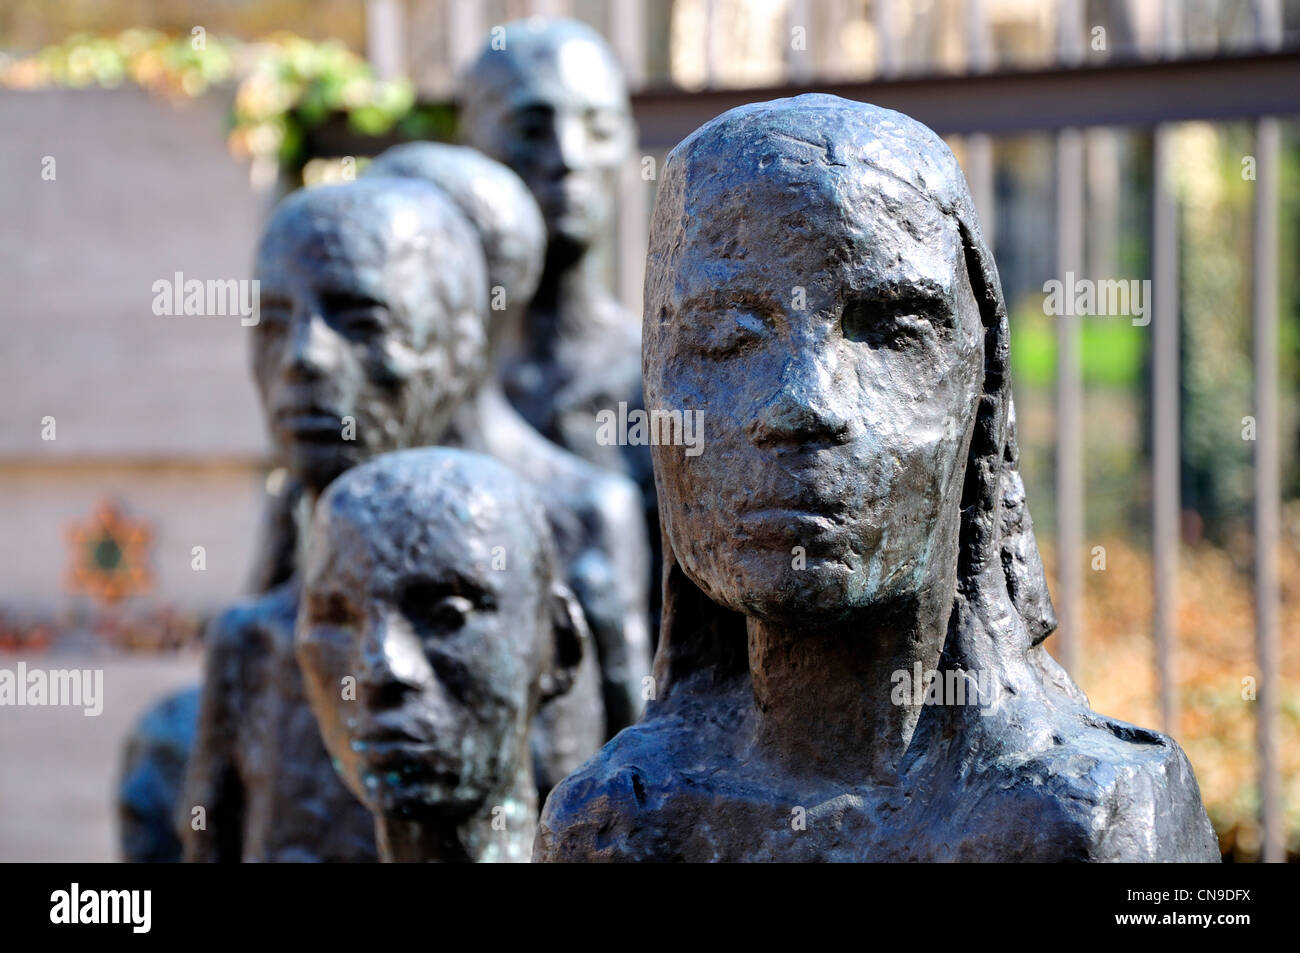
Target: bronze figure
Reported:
point(851, 665)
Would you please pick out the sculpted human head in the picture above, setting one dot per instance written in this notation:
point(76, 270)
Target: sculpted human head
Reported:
point(808, 292)
point(373, 302)
point(430, 581)
point(498, 205)
point(547, 98)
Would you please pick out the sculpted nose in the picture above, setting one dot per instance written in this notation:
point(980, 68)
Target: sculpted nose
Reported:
point(312, 350)
point(392, 662)
point(802, 411)
point(570, 144)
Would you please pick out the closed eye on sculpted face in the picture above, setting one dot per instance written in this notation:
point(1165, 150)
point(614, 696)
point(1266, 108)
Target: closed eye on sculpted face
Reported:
point(275, 308)
point(888, 317)
point(725, 323)
point(531, 121)
point(354, 312)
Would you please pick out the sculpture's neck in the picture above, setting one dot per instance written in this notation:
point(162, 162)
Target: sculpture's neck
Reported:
point(486, 422)
point(500, 831)
point(825, 697)
point(568, 298)
point(303, 509)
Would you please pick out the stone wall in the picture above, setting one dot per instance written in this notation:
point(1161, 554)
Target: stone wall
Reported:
point(155, 411)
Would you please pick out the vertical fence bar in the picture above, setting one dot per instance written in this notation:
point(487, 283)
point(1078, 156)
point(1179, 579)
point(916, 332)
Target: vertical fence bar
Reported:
point(712, 42)
point(978, 53)
point(1165, 423)
point(386, 37)
point(627, 31)
point(979, 174)
point(1069, 379)
point(798, 63)
point(466, 33)
point(548, 8)
point(627, 34)
point(633, 224)
point(1069, 399)
point(1267, 484)
point(1263, 276)
point(884, 16)
point(979, 145)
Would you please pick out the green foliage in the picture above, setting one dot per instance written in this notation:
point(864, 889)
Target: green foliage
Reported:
point(1110, 348)
point(178, 67)
point(294, 85)
point(286, 85)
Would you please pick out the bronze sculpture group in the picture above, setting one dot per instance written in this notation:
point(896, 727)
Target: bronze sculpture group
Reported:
point(453, 659)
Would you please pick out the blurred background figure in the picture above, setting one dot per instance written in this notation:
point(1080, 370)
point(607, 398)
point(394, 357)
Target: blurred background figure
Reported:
point(374, 329)
point(595, 514)
point(1105, 141)
point(548, 99)
point(153, 770)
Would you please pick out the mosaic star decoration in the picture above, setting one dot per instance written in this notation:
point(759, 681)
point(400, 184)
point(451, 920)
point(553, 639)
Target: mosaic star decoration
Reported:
point(110, 555)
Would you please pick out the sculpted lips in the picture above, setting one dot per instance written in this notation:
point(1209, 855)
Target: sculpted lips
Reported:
point(309, 422)
point(393, 749)
point(784, 524)
point(808, 512)
point(377, 734)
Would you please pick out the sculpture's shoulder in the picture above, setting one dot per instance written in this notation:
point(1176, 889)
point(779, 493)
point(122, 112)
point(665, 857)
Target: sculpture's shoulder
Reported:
point(597, 494)
point(611, 809)
point(168, 725)
point(611, 509)
point(607, 496)
point(251, 621)
point(247, 637)
point(669, 788)
point(153, 773)
point(607, 353)
point(589, 508)
point(1105, 790)
point(227, 641)
point(1098, 790)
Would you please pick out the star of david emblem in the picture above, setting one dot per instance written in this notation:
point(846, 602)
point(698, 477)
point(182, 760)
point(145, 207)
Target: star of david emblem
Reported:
point(110, 557)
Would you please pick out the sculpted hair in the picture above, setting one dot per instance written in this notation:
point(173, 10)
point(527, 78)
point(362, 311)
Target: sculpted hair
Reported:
point(999, 571)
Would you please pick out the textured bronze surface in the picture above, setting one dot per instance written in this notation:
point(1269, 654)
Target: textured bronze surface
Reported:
point(596, 515)
point(548, 98)
point(433, 621)
point(374, 296)
point(819, 288)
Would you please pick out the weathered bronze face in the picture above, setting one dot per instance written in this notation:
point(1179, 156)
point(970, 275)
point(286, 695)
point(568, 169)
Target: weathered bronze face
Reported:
point(834, 347)
point(427, 587)
point(819, 287)
point(552, 105)
point(373, 296)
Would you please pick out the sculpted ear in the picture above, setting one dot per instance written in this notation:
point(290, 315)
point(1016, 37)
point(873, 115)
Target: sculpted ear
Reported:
point(572, 641)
